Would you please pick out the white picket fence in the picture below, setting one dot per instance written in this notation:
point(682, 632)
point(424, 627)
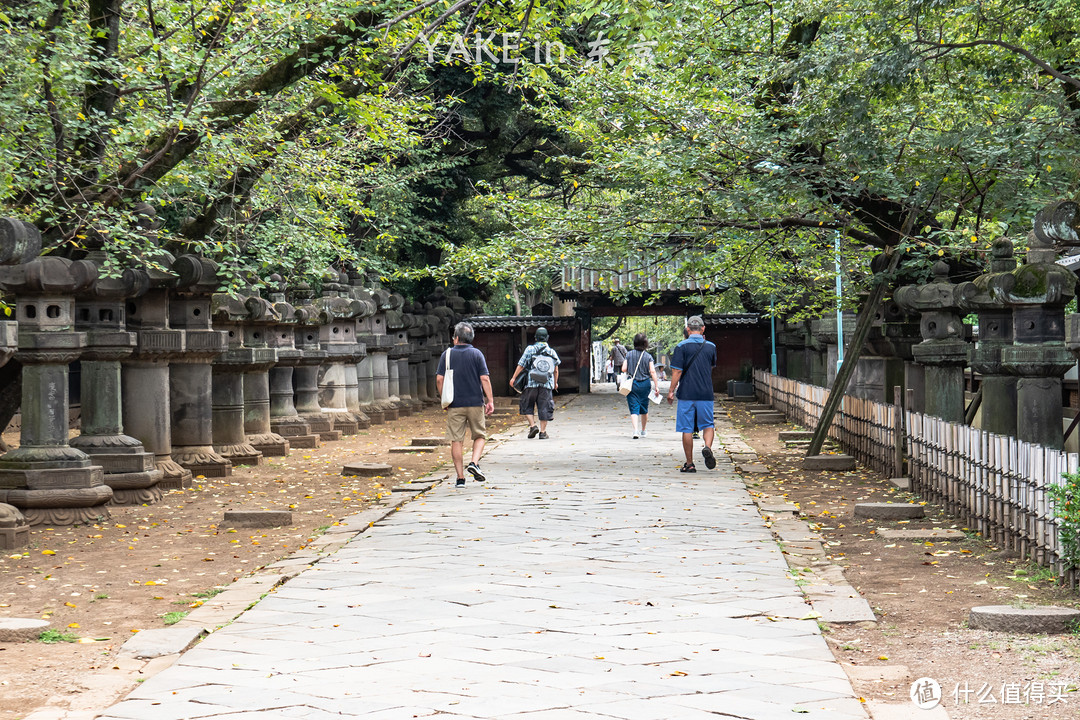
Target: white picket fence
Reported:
point(995, 484)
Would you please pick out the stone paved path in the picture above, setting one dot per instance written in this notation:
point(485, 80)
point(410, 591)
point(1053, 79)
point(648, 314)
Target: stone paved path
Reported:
point(587, 578)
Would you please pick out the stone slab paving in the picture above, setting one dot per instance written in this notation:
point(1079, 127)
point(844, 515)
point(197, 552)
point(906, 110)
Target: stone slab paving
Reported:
point(587, 578)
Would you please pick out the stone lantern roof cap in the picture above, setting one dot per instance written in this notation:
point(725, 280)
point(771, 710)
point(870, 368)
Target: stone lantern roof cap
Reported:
point(197, 274)
point(262, 311)
point(1058, 224)
point(20, 242)
point(229, 308)
point(130, 283)
point(48, 275)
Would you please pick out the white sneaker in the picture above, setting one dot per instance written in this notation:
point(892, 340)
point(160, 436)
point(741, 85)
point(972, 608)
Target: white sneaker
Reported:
point(644, 432)
point(635, 435)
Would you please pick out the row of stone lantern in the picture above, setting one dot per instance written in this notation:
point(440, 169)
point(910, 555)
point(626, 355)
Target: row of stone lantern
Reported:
point(1022, 353)
point(178, 379)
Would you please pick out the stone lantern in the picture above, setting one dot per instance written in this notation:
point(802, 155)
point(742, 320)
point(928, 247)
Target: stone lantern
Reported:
point(100, 312)
point(263, 320)
point(792, 337)
point(356, 350)
point(191, 374)
point(19, 242)
point(1038, 292)
point(943, 350)
point(337, 337)
point(378, 342)
point(230, 315)
point(145, 400)
point(999, 409)
point(284, 419)
point(898, 334)
point(827, 334)
point(399, 352)
point(309, 319)
point(418, 334)
point(365, 326)
point(359, 390)
point(49, 481)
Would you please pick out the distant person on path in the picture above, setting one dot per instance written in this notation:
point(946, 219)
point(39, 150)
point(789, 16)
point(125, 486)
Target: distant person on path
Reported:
point(541, 362)
point(691, 382)
point(473, 400)
point(610, 370)
point(618, 356)
point(639, 364)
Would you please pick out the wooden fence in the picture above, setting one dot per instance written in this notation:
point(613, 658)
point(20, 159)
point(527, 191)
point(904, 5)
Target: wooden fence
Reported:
point(996, 485)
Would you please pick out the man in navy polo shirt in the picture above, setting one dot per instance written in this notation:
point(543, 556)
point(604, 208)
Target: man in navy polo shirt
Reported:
point(473, 400)
point(691, 382)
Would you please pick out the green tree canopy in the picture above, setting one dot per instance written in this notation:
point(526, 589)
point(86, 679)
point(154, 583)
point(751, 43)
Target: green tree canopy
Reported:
point(753, 133)
point(740, 138)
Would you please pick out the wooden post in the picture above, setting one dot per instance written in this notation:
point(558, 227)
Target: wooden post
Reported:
point(898, 435)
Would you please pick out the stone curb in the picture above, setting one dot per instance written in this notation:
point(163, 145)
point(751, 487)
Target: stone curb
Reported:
point(828, 462)
point(1045, 620)
point(889, 511)
point(821, 582)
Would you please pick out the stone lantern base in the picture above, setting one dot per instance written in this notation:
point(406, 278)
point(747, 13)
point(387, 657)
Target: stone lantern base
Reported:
point(129, 470)
point(296, 431)
point(174, 477)
point(240, 454)
point(269, 444)
point(57, 496)
point(323, 426)
point(136, 488)
point(14, 530)
point(202, 460)
point(345, 423)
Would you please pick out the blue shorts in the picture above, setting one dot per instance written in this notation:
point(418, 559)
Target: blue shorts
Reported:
point(693, 415)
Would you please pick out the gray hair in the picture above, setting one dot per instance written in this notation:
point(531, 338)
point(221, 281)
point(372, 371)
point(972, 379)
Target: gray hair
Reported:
point(694, 322)
point(464, 332)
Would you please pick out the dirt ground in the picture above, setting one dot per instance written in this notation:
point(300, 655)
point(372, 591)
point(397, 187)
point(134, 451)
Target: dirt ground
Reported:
point(99, 584)
point(922, 594)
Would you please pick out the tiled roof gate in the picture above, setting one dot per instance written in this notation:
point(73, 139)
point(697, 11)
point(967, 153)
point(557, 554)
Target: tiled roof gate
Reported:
point(634, 274)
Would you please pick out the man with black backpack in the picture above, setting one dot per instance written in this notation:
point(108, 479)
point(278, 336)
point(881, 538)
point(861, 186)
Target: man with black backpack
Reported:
point(691, 382)
point(541, 363)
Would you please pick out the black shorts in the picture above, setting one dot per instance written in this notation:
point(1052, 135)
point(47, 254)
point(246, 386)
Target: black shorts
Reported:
point(541, 399)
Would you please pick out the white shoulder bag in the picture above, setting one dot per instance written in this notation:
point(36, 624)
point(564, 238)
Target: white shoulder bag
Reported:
point(447, 383)
point(627, 385)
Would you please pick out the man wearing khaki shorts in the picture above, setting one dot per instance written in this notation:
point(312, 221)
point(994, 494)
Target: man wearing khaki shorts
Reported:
point(473, 401)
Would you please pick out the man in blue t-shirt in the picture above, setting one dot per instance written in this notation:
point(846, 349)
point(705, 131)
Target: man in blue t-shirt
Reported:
point(473, 400)
point(691, 382)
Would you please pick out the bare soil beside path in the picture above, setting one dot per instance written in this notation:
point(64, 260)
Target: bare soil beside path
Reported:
point(99, 584)
point(922, 593)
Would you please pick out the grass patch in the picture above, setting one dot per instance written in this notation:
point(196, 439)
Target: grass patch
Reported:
point(171, 618)
point(1032, 573)
point(206, 594)
point(51, 637)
